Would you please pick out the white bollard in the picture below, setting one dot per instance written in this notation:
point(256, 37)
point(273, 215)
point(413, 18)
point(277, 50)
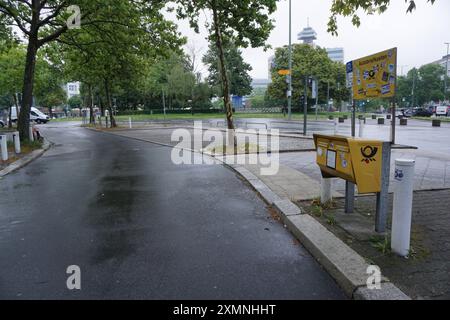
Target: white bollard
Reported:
point(325, 190)
point(16, 139)
point(31, 133)
point(361, 128)
point(129, 122)
point(402, 211)
point(4, 147)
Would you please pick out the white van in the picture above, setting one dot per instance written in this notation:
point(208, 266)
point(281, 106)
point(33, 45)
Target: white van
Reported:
point(35, 115)
point(442, 111)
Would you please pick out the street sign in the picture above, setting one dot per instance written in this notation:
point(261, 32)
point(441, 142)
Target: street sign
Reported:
point(314, 89)
point(373, 76)
point(349, 78)
point(284, 72)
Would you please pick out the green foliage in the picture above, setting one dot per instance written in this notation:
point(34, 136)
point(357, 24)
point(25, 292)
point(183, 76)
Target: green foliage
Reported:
point(116, 61)
point(75, 102)
point(12, 65)
point(308, 61)
point(246, 21)
point(173, 75)
point(49, 82)
point(427, 82)
point(114, 37)
point(240, 80)
point(381, 244)
point(349, 8)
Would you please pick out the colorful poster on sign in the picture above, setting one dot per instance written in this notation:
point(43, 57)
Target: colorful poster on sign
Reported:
point(374, 76)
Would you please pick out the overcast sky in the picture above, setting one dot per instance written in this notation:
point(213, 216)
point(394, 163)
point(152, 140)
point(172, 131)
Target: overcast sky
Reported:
point(419, 36)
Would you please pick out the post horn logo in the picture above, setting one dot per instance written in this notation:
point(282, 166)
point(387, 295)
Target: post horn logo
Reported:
point(369, 154)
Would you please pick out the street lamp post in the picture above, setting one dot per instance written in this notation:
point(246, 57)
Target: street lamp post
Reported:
point(290, 63)
point(446, 72)
point(413, 88)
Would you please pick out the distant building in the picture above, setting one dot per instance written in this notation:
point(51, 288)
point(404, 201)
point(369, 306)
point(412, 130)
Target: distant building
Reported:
point(73, 89)
point(260, 83)
point(443, 63)
point(336, 54)
point(307, 35)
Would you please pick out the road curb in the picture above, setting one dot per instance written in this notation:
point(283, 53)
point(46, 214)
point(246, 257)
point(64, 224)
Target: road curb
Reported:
point(345, 265)
point(16, 165)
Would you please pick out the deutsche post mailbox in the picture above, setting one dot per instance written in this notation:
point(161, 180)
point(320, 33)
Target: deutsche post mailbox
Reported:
point(356, 160)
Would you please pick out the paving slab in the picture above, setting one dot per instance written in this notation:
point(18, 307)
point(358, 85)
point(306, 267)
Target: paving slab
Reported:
point(291, 183)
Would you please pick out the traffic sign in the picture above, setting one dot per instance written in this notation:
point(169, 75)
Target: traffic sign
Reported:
point(374, 76)
point(284, 72)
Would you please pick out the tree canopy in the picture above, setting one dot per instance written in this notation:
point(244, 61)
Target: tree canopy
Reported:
point(350, 8)
point(104, 24)
point(308, 62)
point(421, 86)
point(247, 22)
point(237, 68)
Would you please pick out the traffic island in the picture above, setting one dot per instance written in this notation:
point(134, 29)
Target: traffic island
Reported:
point(29, 152)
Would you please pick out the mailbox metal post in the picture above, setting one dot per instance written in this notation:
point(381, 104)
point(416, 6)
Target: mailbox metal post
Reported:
point(382, 196)
point(393, 111)
point(349, 197)
point(349, 186)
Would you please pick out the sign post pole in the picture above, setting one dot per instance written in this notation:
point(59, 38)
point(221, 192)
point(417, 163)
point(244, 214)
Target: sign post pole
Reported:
point(305, 108)
point(290, 64)
point(394, 119)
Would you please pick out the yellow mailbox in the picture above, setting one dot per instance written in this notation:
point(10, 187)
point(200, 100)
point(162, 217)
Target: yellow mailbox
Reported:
point(356, 160)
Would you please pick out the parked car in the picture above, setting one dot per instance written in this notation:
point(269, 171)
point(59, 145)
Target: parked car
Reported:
point(441, 111)
point(403, 113)
point(2, 124)
point(35, 115)
point(421, 112)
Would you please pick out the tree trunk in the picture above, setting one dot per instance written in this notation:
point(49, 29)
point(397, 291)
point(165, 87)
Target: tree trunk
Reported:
point(109, 101)
point(100, 103)
point(16, 104)
point(9, 117)
point(27, 93)
point(91, 105)
point(50, 112)
point(224, 73)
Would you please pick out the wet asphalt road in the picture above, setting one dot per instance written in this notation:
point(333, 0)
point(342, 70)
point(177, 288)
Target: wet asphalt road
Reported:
point(140, 227)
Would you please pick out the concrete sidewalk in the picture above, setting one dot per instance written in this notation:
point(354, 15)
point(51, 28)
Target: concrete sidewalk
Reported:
point(299, 176)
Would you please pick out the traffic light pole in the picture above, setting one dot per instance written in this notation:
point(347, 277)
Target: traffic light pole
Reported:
point(305, 107)
point(290, 64)
point(446, 73)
